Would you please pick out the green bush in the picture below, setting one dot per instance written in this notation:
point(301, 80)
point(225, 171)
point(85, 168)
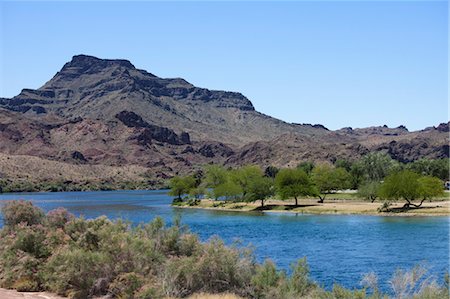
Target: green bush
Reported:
point(20, 211)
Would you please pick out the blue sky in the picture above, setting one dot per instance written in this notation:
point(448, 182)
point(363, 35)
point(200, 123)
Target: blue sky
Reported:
point(355, 63)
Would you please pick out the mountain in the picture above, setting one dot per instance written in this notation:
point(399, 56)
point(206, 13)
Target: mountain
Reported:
point(117, 123)
point(89, 87)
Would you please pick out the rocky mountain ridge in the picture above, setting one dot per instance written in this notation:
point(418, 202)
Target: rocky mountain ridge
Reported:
point(107, 112)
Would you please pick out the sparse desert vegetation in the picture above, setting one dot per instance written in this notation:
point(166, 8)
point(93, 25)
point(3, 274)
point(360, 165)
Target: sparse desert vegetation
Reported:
point(81, 258)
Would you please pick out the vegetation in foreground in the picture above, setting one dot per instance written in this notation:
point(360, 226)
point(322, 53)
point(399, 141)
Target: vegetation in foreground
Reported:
point(376, 176)
point(82, 258)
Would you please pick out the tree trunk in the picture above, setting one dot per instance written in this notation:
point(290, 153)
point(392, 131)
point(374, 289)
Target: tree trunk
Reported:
point(419, 205)
point(321, 198)
point(296, 201)
point(262, 202)
point(373, 199)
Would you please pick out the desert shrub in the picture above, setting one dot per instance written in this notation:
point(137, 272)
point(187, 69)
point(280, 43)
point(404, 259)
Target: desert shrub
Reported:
point(19, 271)
point(214, 269)
point(300, 283)
point(84, 258)
point(20, 211)
point(266, 280)
point(72, 272)
point(125, 285)
point(58, 218)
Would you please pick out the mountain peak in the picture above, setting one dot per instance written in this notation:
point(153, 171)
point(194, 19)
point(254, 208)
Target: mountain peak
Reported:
point(83, 60)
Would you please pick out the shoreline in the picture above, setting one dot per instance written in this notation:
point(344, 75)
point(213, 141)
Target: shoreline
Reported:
point(332, 207)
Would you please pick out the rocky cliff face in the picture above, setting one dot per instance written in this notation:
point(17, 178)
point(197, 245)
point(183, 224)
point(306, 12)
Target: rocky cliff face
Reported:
point(107, 112)
point(89, 87)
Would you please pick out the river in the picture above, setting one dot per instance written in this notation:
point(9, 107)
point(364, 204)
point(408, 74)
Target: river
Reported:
point(339, 248)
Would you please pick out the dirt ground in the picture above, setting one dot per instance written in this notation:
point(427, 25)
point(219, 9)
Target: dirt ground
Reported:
point(11, 294)
point(330, 206)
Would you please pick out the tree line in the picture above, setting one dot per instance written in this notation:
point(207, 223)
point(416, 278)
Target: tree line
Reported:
point(375, 175)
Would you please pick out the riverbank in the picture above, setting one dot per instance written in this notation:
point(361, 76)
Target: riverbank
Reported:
point(331, 206)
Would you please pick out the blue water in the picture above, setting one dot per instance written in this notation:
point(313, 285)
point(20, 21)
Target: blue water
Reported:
point(339, 248)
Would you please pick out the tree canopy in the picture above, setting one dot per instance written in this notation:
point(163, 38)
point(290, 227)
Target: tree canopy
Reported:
point(329, 179)
point(293, 183)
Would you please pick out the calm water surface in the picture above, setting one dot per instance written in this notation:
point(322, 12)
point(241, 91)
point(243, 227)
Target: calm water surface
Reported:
point(339, 248)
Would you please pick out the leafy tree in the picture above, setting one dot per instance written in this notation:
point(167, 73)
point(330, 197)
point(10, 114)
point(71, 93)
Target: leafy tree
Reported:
point(410, 186)
point(215, 175)
point(260, 188)
point(328, 180)
point(438, 168)
point(342, 163)
point(181, 185)
point(228, 189)
point(357, 175)
point(369, 190)
point(430, 187)
point(306, 166)
point(245, 175)
point(293, 183)
point(376, 166)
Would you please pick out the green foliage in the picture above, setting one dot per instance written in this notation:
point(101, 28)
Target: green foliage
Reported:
point(228, 189)
point(260, 188)
point(430, 187)
point(306, 166)
point(369, 190)
point(82, 258)
point(342, 163)
point(245, 176)
point(329, 179)
point(215, 175)
point(376, 166)
point(410, 186)
point(293, 183)
point(181, 185)
point(437, 168)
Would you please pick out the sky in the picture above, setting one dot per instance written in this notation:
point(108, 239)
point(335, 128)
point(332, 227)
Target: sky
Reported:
point(340, 64)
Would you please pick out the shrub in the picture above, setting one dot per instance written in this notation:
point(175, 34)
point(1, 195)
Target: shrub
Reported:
point(20, 211)
point(72, 272)
point(58, 218)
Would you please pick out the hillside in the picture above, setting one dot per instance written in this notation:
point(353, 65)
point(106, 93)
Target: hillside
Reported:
point(97, 118)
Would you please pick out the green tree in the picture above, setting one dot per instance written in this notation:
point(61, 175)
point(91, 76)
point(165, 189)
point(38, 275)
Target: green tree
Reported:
point(306, 166)
point(329, 180)
point(377, 166)
point(342, 163)
point(439, 168)
point(369, 190)
point(245, 175)
point(293, 183)
point(430, 187)
point(215, 175)
point(181, 185)
point(228, 189)
point(260, 188)
point(410, 186)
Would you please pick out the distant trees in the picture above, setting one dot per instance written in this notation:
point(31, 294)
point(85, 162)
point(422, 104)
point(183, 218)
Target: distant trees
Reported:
point(410, 186)
point(375, 175)
point(293, 183)
point(328, 180)
point(181, 185)
point(369, 190)
point(260, 188)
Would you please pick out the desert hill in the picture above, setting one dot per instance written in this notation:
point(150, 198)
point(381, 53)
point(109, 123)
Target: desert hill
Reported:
point(107, 114)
